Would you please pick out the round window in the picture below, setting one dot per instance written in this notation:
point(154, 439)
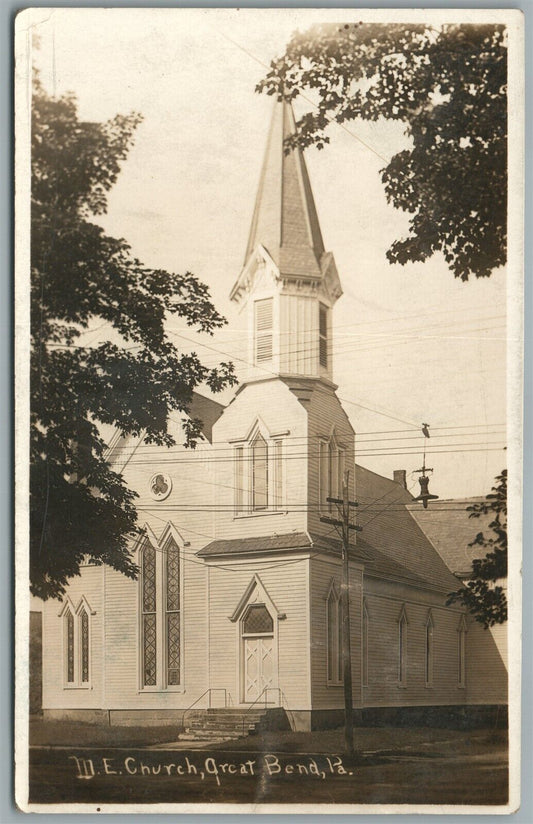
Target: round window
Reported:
point(160, 486)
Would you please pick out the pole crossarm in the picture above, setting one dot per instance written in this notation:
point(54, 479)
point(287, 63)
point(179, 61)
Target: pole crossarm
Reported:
point(334, 522)
point(340, 502)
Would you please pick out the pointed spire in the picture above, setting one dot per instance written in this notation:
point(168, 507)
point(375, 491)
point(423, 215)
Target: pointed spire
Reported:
point(285, 221)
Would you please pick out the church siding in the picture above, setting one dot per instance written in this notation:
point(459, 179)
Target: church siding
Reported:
point(298, 335)
point(285, 580)
point(486, 664)
point(326, 414)
point(56, 694)
point(385, 601)
point(279, 413)
point(123, 676)
point(189, 505)
point(323, 572)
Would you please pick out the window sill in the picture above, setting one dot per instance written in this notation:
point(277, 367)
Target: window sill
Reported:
point(77, 687)
point(402, 686)
point(335, 684)
point(160, 690)
point(259, 514)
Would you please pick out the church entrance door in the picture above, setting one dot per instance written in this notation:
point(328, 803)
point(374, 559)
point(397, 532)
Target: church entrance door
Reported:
point(258, 658)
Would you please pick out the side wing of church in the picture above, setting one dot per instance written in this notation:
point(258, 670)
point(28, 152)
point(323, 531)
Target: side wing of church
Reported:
point(237, 604)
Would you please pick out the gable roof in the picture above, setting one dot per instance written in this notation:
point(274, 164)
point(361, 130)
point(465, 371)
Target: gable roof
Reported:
point(389, 526)
point(449, 527)
point(208, 410)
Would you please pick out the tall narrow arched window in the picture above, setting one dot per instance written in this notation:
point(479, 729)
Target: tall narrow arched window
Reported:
point(365, 645)
point(70, 644)
point(331, 466)
point(239, 480)
point(461, 652)
point(429, 650)
point(84, 644)
point(402, 648)
point(259, 473)
point(334, 637)
point(149, 616)
point(76, 643)
point(172, 617)
point(160, 618)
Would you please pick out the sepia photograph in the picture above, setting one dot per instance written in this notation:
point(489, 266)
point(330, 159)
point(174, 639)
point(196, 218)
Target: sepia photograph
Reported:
point(268, 293)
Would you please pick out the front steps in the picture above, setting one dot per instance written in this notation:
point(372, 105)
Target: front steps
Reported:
point(219, 724)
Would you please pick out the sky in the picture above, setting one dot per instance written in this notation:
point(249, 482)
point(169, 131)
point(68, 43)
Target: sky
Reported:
point(411, 344)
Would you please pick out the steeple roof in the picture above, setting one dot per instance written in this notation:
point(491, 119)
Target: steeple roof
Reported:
point(285, 221)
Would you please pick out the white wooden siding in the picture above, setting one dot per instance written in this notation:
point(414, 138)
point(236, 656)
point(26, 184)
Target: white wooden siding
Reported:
point(323, 571)
point(55, 692)
point(325, 413)
point(282, 413)
point(298, 335)
point(285, 580)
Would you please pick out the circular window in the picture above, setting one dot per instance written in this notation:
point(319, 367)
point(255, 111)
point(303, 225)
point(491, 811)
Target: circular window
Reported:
point(160, 486)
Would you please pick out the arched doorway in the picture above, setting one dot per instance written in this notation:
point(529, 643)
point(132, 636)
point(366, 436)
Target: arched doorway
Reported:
point(258, 654)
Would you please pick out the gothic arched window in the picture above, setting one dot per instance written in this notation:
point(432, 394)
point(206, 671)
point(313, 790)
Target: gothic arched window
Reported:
point(402, 648)
point(69, 622)
point(365, 645)
point(334, 637)
point(160, 585)
point(76, 643)
point(461, 652)
point(429, 654)
point(259, 473)
point(331, 460)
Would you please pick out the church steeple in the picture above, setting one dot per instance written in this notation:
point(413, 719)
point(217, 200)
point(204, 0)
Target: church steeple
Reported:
point(288, 282)
point(285, 221)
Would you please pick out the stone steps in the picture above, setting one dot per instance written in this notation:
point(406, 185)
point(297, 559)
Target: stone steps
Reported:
point(221, 723)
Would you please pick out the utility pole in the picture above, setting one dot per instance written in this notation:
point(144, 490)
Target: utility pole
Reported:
point(345, 525)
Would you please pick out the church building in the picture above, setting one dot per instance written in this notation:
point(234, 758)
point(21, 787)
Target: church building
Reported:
point(237, 603)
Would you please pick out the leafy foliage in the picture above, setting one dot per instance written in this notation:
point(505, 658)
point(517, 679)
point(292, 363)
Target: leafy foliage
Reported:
point(485, 600)
point(448, 86)
point(82, 279)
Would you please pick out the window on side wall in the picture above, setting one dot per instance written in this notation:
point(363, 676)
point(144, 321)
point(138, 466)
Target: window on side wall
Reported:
point(402, 648)
point(461, 652)
point(160, 608)
point(333, 637)
point(429, 651)
point(77, 644)
point(258, 476)
point(331, 466)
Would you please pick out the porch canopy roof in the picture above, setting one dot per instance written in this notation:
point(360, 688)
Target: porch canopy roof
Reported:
point(375, 562)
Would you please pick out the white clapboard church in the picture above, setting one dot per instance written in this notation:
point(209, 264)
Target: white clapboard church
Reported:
point(237, 601)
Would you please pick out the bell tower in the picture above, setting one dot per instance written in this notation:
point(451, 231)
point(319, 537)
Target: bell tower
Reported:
point(288, 284)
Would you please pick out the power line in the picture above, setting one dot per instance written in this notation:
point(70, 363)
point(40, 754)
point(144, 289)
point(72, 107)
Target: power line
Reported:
point(216, 454)
point(299, 456)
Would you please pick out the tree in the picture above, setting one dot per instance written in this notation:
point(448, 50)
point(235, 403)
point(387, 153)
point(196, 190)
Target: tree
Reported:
point(483, 598)
point(82, 279)
point(448, 86)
